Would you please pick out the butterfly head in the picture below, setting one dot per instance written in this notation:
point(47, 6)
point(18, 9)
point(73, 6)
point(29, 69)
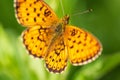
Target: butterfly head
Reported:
point(65, 19)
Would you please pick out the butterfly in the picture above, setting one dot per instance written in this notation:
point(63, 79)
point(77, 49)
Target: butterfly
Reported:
point(53, 39)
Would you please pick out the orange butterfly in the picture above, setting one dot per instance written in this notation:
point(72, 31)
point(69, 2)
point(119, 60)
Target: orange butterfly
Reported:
point(54, 39)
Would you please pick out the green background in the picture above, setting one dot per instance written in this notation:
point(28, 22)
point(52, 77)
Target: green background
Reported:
point(103, 22)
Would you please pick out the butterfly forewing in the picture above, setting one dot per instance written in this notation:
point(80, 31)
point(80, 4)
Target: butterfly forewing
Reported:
point(82, 46)
point(34, 12)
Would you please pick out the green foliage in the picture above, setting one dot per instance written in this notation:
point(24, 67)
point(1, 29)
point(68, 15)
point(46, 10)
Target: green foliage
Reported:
point(103, 21)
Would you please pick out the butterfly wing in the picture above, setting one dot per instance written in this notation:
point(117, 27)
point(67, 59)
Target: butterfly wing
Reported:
point(82, 46)
point(34, 12)
point(56, 58)
point(36, 40)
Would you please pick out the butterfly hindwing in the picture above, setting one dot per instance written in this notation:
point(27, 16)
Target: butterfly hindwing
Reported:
point(36, 40)
point(56, 58)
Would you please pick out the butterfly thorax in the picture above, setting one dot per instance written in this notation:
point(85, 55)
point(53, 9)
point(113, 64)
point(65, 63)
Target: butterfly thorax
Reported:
point(59, 28)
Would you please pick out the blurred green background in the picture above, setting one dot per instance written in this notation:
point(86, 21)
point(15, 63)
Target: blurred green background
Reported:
point(103, 22)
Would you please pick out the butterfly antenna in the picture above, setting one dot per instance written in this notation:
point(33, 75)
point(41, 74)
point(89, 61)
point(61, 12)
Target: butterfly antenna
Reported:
point(89, 10)
point(62, 7)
